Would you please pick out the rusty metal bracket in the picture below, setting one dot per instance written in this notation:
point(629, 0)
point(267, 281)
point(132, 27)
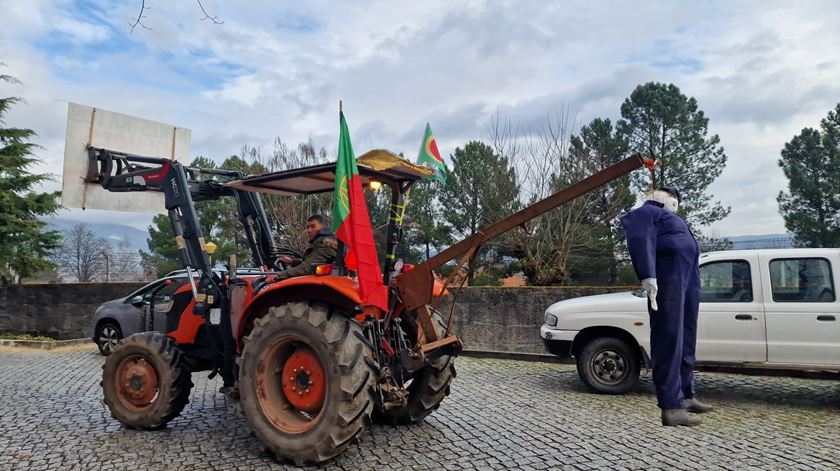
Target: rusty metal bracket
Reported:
point(424, 319)
point(449, 279)
point(451, 340)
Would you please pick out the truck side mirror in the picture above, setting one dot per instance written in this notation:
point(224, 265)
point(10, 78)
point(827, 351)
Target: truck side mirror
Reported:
point(136, 301)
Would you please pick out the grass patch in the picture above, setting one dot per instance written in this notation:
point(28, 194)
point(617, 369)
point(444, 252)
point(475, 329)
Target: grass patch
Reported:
point(28, 338)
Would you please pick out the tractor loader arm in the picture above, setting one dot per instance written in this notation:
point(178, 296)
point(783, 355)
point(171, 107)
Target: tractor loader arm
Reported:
point(121, 172)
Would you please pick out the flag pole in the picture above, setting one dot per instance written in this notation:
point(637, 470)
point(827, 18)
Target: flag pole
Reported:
point(342, 248)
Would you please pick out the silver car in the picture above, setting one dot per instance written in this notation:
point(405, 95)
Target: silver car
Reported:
point(122, 317)
point(143, 310)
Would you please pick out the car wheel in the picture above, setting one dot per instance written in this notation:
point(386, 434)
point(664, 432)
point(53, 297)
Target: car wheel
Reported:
point(108, 335)
point(608, 365)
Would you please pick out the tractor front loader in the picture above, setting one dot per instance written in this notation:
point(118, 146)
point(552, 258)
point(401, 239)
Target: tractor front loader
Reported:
point(312, 364)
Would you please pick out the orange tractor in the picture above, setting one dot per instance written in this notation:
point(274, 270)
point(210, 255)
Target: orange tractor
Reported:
point(311, 364)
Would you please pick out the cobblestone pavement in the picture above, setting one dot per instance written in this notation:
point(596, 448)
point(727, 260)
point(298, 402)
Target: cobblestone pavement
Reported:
point(501, 415)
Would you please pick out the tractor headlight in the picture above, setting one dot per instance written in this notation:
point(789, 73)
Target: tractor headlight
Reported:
point(550, 319)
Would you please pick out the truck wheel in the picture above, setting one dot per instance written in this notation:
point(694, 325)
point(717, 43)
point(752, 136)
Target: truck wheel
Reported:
point(306, 381)
point(608, 365)
point(146, 381)
point(426, 388)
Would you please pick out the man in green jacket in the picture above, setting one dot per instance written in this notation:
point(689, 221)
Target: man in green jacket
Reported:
point(322, 249)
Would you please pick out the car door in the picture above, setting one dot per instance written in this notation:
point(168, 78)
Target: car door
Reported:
point(132, 315)
point(731, 321)
point(802, 314)
point(162, 301)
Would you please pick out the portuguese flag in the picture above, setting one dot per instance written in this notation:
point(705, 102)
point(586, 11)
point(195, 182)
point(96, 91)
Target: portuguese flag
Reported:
point(429, 154)
point(351, 223)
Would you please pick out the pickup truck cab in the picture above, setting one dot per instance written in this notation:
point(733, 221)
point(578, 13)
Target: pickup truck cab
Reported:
point(766, 309)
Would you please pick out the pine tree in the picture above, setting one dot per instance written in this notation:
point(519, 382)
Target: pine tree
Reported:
point(424, 226)
point(25, 244)
point(660, 121)
point(162, 256)
point(596, 260)
point(481, 189)
point(811, 162)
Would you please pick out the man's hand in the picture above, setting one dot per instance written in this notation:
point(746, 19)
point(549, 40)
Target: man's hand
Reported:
point(285, 260)
point(649, 284)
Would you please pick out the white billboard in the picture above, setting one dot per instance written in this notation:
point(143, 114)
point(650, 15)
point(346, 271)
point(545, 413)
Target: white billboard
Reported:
point(118, 132)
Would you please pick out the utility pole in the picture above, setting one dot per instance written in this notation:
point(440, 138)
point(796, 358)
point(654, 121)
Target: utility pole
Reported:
point(107, 267)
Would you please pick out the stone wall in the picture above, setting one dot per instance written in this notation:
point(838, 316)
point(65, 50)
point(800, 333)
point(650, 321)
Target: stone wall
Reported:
point(509, 319)
point(486, 319)
point(61, 311)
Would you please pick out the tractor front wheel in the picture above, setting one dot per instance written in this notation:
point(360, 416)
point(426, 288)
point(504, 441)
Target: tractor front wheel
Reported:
point(146, 381)
point(306, 381)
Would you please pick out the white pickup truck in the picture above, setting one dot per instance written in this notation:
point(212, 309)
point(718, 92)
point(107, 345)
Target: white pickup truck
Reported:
point(758, 309)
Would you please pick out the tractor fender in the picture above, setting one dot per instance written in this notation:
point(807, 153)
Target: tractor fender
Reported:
point(336, 290)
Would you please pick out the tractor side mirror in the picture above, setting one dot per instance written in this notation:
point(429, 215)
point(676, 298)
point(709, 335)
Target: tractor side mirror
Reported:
point(136, 301)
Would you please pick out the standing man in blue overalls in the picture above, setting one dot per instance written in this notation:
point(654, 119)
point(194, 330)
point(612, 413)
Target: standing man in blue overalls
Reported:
point(665, 257)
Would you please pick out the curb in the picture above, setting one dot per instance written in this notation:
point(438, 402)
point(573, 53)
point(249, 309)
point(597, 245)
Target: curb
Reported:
point(536, 357)
point(42, 345)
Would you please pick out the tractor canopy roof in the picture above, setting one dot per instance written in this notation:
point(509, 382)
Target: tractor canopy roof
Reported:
point(378, 164)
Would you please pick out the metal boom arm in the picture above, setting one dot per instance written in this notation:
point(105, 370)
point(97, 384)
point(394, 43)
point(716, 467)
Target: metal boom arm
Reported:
point(415, 286)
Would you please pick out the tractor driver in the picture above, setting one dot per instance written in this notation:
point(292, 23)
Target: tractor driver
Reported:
point(322, 249)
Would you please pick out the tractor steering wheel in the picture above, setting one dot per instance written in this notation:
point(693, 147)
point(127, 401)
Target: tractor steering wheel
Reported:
point(286, 252)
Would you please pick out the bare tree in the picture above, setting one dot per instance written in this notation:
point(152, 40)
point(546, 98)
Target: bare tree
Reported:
point(288, 213)
point(82, 254)
point(125, 262)
point(138, 21)
point(545, 165)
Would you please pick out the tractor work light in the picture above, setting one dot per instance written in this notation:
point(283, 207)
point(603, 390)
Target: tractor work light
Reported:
point(375, 184)
point(323, 270)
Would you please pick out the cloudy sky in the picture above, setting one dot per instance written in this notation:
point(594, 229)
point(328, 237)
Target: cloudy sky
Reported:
point(761, 71)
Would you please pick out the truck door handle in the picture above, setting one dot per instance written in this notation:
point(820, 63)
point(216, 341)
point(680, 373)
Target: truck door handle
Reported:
point(744, 317)
point(825, 318)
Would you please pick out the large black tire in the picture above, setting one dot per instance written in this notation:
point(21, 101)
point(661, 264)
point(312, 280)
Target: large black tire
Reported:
point(338, 344)
point(107, 335)
point(146, 381)
point(429, 386)
point(609, 365)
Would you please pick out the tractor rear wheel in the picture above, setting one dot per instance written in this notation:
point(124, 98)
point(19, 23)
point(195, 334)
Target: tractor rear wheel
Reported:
point(426, 388)
point(146, 381)
point(306, 381)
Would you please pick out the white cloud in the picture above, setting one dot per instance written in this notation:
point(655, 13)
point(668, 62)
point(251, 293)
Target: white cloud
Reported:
point(80, 31)
point(760, 70)
point(245, 90)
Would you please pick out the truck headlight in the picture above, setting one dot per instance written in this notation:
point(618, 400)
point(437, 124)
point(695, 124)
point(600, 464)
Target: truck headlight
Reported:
point(550, 319)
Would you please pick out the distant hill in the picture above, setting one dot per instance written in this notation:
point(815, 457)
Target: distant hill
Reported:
point(114, 233)
point(764, 241)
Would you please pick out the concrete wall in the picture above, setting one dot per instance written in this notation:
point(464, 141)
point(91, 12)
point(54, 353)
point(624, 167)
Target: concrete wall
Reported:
point(486, 319)
point(62, 311)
